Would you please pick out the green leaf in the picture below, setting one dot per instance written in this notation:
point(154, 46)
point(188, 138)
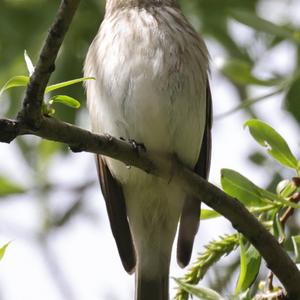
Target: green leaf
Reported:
point(29, 64)
point(243, 296)
point(66, 100)
point(273, 197)
point(252, 20)
point(47, 110)
point(296, 244)
point(3, 249)
point(278, 229)
point(238, 186)
point(60, 85)
point(288, 203)
point(249, 266)
point(277, 147)
point(292, 100)
point(241, 188)
point(208, 214)
point(15, 82)
point(8, 188)
point(199, 292)
point(240, 72)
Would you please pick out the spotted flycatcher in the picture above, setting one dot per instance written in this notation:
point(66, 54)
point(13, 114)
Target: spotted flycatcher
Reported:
point(151, 86)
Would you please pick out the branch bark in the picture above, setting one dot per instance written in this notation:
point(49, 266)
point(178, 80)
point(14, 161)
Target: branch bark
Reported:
point(31, 121)
point(31, 112)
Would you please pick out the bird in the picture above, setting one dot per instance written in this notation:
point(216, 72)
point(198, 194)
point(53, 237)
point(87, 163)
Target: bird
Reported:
point(151, 86)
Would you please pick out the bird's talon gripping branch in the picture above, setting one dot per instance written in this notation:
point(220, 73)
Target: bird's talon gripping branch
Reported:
point(137, 146)
point(108, 137)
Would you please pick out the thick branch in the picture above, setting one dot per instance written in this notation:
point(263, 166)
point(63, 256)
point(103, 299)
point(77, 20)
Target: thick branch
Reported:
point(46, 64)
point(82, 140)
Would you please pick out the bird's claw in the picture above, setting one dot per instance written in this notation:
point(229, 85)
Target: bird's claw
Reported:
point(137, 146)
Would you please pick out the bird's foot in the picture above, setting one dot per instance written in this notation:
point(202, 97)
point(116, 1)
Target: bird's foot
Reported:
point(138, 147)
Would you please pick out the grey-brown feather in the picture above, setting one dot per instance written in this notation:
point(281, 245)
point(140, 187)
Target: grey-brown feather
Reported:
point(116, 209)
point(190, 216)
point(150, 289)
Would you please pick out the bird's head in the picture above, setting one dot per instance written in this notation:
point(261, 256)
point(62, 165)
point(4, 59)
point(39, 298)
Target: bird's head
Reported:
point(112, 5)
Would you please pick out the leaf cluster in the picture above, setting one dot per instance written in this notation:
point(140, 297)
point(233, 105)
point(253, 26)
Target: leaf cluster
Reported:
point(48, 110)
point(271, 208)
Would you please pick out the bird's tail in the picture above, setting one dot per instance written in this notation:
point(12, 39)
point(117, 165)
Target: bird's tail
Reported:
point(154, 287)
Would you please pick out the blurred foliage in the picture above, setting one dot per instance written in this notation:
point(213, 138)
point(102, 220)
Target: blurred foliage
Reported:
point(24, 24)
point(214, 251)
point(3, 250)
point(273, 209)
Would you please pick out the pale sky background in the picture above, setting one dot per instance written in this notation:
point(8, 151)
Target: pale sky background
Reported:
point(85, 249)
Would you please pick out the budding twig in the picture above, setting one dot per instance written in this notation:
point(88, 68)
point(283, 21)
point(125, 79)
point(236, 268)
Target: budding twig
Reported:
point(32, 104)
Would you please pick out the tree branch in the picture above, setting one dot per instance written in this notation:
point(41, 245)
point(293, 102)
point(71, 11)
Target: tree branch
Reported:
point(30, 121)
point(170, 170)
point(31, 112)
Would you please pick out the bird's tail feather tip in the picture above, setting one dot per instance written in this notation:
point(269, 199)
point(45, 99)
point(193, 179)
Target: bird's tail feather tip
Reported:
point(152, 289)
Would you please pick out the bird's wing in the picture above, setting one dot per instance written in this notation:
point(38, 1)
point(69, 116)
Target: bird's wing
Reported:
point(116, 209)
point(190, 216)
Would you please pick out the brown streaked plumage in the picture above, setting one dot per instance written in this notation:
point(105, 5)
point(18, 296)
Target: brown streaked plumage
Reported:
point(151, 86)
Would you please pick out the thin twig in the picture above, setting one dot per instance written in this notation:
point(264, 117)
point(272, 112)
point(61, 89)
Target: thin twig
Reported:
point(283, 219)
point(31, 112)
